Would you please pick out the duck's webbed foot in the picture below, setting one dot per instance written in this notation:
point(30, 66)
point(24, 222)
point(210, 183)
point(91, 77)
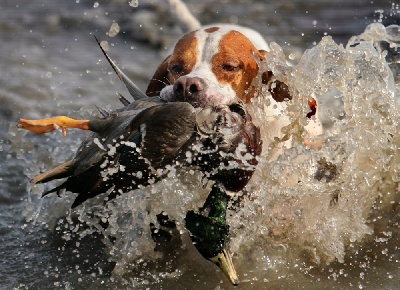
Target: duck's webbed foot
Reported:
point(50, 124)
point(210, 233)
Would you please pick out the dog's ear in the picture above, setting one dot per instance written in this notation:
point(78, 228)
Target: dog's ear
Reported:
point(278, 90)
point(159, 79)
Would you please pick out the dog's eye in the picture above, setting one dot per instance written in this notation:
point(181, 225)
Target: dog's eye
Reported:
point(176, 68)
point(230, 67)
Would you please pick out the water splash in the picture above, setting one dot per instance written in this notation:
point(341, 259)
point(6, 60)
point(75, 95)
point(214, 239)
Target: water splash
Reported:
point(319, 200)
point(302, 202)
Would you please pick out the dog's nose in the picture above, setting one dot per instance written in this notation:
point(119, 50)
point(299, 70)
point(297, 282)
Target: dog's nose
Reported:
point(188, 87)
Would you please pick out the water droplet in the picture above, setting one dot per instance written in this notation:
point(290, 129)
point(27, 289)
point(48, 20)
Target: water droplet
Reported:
point(104, 45)
point(134, 3)
point(114, 30)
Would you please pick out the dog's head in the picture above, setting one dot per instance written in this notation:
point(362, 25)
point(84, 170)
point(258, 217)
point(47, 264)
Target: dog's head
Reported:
point(210, 66)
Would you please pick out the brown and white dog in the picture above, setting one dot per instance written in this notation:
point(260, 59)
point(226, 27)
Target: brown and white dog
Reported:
point(213, 65)
point(217, 65)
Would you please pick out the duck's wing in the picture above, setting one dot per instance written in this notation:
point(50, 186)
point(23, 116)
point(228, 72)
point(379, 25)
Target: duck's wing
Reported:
point(125, 150)
point(90, 150)
point(168, 133)
point(94, 167)
point(111, 126)
point(154, 139)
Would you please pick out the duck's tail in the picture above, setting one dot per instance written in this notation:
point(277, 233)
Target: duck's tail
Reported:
point(60, 171)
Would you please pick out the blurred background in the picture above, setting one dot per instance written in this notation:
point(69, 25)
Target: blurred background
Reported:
point(50, 64)
point(48, 52)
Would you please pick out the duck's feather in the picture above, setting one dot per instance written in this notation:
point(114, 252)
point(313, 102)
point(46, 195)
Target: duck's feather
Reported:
point(133, 89)
point(60, 171)
point(122, 99)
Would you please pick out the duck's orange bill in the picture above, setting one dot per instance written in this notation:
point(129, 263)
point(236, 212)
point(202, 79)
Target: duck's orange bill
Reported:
point(50, 124)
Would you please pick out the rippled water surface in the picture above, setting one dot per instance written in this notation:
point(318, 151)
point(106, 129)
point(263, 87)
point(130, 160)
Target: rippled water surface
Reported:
point(302, 230)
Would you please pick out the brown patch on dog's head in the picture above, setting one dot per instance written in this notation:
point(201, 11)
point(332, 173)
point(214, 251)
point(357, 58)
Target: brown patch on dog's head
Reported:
point(211, 29)
point(234, 64)
point(179, 63)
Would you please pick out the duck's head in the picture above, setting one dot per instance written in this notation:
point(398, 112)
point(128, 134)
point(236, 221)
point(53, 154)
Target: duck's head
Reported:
point(210, 233)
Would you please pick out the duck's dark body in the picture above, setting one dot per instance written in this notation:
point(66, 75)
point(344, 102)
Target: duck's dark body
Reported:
point(132, 146)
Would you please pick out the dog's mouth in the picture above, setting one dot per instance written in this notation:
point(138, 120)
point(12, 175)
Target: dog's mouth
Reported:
point(204, 98)
point(212, 99)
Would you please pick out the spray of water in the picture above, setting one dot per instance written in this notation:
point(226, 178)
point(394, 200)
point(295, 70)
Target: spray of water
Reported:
point(304, 202)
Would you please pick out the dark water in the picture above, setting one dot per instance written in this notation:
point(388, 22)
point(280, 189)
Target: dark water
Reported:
point(51, 65)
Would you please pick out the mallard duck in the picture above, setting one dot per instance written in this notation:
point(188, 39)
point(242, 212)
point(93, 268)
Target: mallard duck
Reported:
point(132, 146)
